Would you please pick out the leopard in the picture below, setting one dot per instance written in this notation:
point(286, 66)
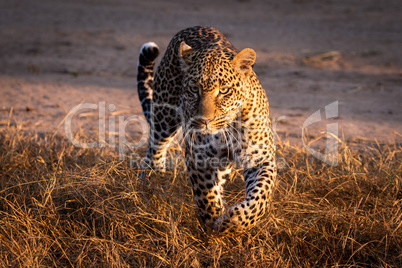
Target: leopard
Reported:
point(207, 90)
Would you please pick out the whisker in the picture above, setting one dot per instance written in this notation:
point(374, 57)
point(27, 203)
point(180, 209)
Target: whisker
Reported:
point(227, 140)
point(233, 135)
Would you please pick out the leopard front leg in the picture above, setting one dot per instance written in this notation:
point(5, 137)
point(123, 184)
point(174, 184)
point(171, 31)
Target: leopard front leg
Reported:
point(207, 184)
point(259, 182)
point(164, 124)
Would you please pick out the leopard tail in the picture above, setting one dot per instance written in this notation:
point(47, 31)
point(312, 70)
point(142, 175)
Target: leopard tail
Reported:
point(145, 77)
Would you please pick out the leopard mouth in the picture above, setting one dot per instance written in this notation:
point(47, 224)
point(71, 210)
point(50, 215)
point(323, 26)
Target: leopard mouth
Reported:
point(208, 125)
point(201, 125)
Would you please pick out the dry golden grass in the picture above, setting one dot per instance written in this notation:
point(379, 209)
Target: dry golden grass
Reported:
point(64, 206)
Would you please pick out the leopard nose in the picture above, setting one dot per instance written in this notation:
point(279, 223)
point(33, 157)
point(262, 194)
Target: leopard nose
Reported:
point(203, 121)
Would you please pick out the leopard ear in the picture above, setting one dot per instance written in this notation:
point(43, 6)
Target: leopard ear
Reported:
point(244, 61)
point(184, 51)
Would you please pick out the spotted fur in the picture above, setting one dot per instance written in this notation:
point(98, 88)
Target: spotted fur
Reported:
point(208, 89)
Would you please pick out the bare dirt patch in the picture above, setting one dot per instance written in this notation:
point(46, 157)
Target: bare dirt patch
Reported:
point(55, 55)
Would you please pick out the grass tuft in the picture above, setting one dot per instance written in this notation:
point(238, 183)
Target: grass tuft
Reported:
point(66, 206)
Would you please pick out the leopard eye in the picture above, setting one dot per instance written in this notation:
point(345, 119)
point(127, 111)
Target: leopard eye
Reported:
point(224, 90)
point(194, 89)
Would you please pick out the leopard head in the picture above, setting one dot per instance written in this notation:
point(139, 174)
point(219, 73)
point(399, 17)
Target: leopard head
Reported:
point(215, 84)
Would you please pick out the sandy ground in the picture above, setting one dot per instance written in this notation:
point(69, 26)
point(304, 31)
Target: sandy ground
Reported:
point(55, 55)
